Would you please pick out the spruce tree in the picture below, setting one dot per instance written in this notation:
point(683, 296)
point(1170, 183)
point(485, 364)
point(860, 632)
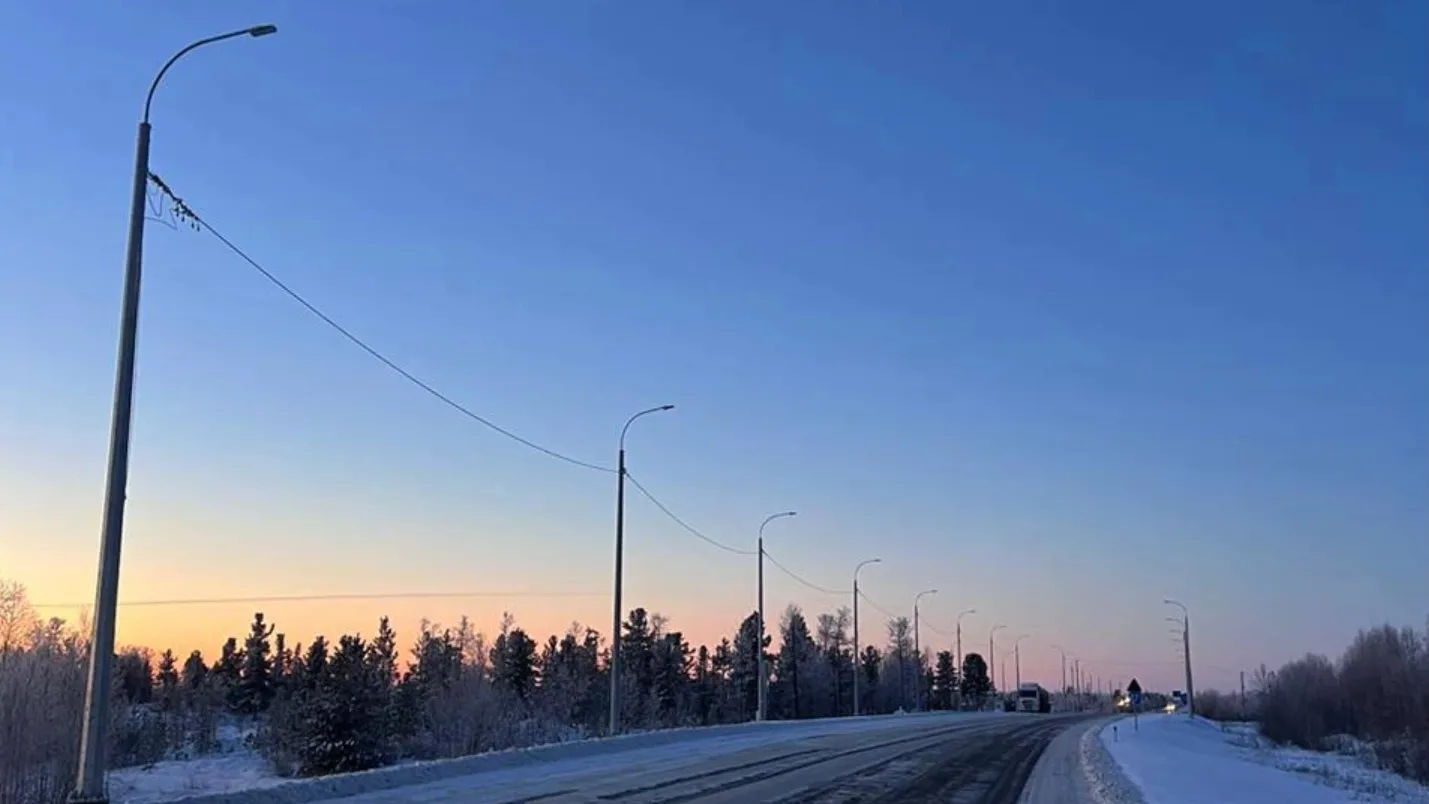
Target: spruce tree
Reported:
point(744, 670)
point(945, 681)
point(227, 671)
point(517, 671)
point(706, 687)
point(315, 662)
point(796, 656)
point(341, 724)
point(870, 664)
point(255, 687)
point(975, 682)
point(195, 673)
point(168, 674)
point(671, 678)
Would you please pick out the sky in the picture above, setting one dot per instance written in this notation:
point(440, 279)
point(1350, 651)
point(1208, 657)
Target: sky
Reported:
point(1060, 309)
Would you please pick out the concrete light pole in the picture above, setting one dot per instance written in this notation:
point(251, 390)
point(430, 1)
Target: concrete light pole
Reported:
point(1186, 645)
point(614, 721)
point(1017, 657)
point(992, 656)
point(918, 650)
point(763, 712)
point(962, 614)
point(89, 780)
point(856, 668)
point(1062, 693)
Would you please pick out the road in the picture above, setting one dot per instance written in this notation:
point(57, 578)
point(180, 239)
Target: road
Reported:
point(950, 759)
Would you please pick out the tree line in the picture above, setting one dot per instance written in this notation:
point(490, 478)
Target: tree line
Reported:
point(361, 702)
point(1373, 701)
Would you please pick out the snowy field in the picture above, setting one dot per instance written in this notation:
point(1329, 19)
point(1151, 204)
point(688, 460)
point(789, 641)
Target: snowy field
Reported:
point(237, 775)
point(233, 767)
point(1177, 760)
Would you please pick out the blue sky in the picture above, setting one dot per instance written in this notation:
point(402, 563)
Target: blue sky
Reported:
point(1060, 310)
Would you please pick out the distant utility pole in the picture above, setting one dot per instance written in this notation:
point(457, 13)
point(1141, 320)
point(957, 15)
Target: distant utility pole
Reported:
point(1186, 646)
point(961, 615)
point(856, 668)
point(1017, 658)
point(1062, 691)
point(918, 650)
point(1242, 695)
point(992, 656)
point(762, 712)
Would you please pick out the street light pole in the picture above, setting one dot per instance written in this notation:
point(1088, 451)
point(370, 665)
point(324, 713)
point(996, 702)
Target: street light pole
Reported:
point(918, 650)
point(1186, 646)
point(89, 779)
point(991, 656)
point(959, 621)
point(614, 721)
point(1017, 658)
point(856, 668)
point(763, 711)
point(1062, 693)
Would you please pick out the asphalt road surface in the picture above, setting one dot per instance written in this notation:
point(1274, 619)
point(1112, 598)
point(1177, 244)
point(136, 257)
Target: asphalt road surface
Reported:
point(952, 760)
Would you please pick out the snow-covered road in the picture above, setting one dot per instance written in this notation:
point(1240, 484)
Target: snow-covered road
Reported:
point(910, 759)
point(978, 758)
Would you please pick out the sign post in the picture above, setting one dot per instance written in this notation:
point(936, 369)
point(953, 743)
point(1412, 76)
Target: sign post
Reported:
point(1134, 690)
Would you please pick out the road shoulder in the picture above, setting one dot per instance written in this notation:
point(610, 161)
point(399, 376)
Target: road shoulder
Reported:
point(1077, 769)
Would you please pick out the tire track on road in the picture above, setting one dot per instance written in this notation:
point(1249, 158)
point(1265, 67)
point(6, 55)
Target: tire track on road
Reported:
point(980, 769)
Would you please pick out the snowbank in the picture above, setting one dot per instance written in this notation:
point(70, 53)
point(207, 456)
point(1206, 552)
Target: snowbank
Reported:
point(1174, 759)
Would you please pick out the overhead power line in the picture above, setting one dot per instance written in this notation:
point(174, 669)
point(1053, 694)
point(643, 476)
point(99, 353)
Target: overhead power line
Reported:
point(682, 523)
point(935, 629)
point(214, 601)
point(870, 601)
point(184, 212)
point(796, 577)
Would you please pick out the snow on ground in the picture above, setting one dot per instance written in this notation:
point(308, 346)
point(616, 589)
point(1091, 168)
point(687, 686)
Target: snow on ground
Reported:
point(241, 777)
point(1105, 780)
point(233, 767)
point(1174, 759)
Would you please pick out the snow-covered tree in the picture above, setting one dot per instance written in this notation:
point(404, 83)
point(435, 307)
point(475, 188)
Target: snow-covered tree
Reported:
point(255, 683)
point(796, 665)
point(516, 667)
point(195, 673)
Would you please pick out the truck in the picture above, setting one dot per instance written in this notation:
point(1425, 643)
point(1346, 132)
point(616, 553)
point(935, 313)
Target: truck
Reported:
point(1032, 697)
